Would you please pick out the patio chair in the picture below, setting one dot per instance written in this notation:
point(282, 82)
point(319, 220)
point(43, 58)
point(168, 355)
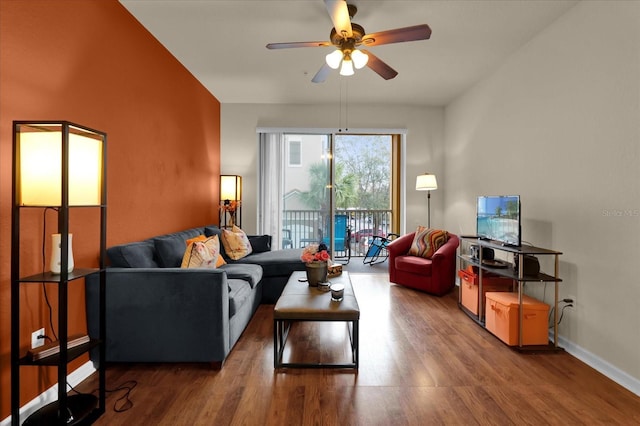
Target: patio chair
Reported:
point(342, 240)
point(377, 251)
point(286, 239)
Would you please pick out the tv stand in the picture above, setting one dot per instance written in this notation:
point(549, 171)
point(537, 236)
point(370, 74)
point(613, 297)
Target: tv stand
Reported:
point(509, 245)
point(510, 272)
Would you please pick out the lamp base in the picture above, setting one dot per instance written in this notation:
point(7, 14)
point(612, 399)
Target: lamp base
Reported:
point(78, 408)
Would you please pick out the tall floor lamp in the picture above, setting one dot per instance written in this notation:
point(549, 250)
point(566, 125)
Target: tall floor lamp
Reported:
point(231, 199)
point(427, 182)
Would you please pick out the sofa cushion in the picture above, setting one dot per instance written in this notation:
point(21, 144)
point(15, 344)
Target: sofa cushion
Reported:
point(201, 253)
point(260, 243)
point(235, 242)
point(414, 265)
point(133, 255)
point(276, 263)
point(239, 294)
point(427, 241)
point(247, 272)
point(171, 247)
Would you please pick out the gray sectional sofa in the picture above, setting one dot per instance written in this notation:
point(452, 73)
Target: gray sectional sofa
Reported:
point(159, 312)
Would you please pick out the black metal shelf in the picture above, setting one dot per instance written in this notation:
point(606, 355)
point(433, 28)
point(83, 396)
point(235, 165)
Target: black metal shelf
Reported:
point(50, 277)
point(510, 272)
point(54, 359)
point(523, 249)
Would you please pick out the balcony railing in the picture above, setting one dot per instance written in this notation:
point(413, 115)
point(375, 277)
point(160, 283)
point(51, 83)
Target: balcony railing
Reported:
point(303, 227)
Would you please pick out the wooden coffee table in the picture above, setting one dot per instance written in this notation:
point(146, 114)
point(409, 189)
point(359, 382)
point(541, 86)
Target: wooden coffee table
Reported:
point(300, 302)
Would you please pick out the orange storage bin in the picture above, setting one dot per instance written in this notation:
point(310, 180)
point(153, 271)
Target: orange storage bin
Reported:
point(502, 318)
point(469, 287)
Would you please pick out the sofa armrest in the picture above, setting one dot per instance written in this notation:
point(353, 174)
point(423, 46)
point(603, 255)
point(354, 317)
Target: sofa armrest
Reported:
point(398, 247)
point(444, 261)
point(162, 314)
point(401, 245)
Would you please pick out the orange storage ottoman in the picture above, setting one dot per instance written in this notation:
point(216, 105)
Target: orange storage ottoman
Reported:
point(502, 318)
point(469, 287)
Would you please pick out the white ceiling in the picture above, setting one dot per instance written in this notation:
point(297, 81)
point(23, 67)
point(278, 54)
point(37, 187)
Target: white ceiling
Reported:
point(222, 43)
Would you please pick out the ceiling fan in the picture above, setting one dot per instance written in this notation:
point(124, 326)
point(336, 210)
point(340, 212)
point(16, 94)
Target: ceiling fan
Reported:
point(348, 37)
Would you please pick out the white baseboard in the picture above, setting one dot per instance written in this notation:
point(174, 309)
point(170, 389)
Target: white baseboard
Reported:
point(51, 394)
point(612, 372)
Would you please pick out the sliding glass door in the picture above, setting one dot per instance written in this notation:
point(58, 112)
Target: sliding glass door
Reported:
point(307, 189)
point(335, 188)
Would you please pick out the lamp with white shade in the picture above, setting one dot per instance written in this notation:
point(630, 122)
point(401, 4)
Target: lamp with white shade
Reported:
point(60, 166)
point(427, 182)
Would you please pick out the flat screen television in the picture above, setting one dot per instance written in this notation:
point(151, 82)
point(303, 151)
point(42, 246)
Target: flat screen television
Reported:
point(498, 218)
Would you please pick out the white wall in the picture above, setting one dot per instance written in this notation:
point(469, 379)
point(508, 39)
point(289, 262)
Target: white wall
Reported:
point(559, 124)
point(425, 150)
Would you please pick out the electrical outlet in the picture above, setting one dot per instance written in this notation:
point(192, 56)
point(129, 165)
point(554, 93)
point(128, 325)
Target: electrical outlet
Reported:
point(35, 341)
point(573, 298)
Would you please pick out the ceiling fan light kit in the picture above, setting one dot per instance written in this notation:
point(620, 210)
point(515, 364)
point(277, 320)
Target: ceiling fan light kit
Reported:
point(346, 36)
point(347, 67)
point(359, 59)
point(334, 58)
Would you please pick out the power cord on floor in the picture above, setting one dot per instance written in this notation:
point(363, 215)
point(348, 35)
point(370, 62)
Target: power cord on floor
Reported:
point(123, 403)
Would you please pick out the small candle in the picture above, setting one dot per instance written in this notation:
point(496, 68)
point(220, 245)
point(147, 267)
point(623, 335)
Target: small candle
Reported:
point(337, 292)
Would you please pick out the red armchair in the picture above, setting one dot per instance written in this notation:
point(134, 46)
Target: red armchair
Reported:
point(435, 275)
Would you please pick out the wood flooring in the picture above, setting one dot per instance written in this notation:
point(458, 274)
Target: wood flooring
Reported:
point(422, 362)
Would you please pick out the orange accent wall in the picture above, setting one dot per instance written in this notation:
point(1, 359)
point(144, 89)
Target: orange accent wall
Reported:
point(92, 63)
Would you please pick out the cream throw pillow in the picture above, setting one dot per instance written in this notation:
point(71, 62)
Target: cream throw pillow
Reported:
point(235, 242)
point(220, 260)
point(202, 253)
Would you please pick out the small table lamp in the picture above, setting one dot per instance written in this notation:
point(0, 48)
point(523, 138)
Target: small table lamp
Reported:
point(427, 182)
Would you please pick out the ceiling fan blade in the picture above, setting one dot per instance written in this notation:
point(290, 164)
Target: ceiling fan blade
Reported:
point(298, 44)
point(339, 13)
point(322, 74)
point(417, 32)
point(380, 67)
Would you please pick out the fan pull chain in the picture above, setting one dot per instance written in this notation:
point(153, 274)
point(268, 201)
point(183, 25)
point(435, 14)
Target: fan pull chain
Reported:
point(340, 108)
point(344, 82)
point(346, 106)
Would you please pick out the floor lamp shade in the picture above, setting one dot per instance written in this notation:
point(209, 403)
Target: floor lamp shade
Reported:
point(45, 151)
point(230, 188)
point(426, 182)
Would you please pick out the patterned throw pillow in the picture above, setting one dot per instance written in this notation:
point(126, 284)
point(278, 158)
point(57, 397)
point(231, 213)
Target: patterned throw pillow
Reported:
point(220, 260)
point(236, 243)
point(427, 241)
point(201, 253)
